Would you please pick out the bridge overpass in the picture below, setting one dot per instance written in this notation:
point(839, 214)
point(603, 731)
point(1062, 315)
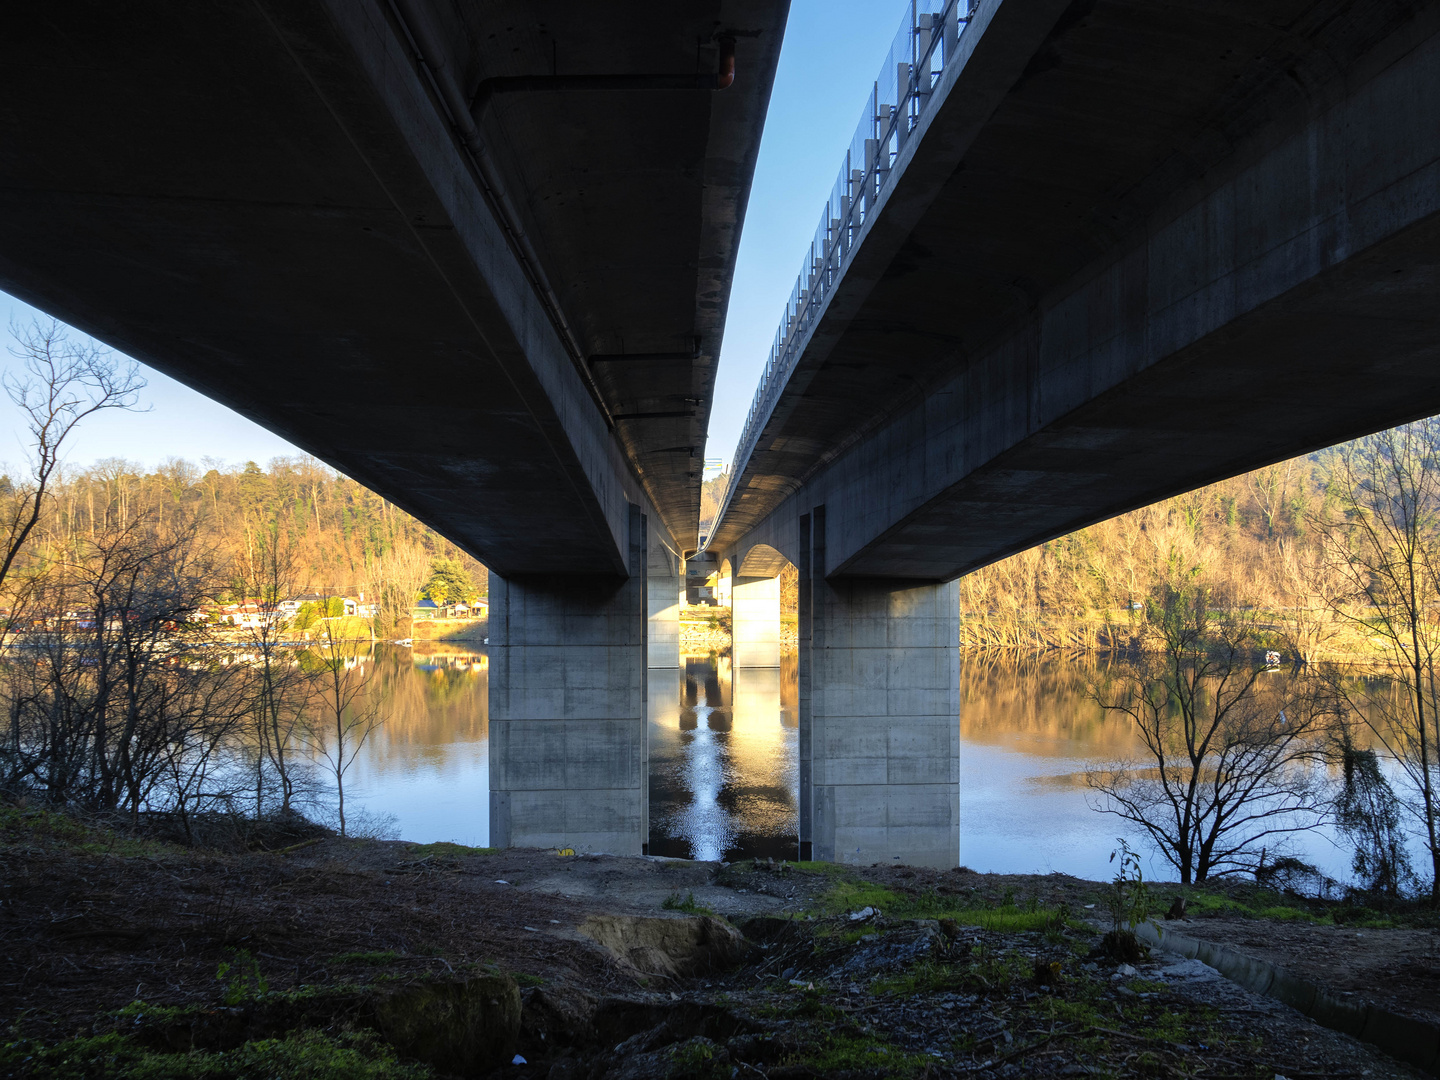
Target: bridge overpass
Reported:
point(1082, 255)
point(477, 256)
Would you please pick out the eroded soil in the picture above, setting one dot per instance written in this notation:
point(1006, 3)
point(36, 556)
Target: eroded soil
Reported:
point(88, 928)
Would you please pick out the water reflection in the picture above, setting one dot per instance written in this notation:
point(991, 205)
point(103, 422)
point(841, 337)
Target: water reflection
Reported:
point(723, 760)
point(429, 764)
point(723, 763)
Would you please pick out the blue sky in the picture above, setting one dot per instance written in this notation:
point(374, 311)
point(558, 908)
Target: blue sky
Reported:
point(833, 50)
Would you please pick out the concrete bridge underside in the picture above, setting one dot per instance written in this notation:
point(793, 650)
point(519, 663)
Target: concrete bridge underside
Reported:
point(476, 256)
point(1128, 250)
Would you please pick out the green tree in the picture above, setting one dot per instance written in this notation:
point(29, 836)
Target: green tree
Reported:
point(449, 581)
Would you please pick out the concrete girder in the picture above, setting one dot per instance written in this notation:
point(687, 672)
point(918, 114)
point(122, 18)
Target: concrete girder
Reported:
point(1133, 279)
point(285, 205)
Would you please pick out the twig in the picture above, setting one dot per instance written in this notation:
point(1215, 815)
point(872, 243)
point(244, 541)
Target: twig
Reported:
point(1020, 1050)
point(296, 847)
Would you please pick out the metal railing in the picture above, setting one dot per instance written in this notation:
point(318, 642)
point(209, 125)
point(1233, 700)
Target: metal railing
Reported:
point(927, 42)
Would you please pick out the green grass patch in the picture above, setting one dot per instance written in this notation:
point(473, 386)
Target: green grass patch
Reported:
point(308, 1055)
point(983, 972)
point(852, 894)
point(687, 904)
point(445, 847)
point(56, 830)
point(698, 1059)
point(843, 1053)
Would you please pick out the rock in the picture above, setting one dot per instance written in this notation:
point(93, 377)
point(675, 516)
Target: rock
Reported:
point(1126, 971)
point(673, 948)
point(457, 1027)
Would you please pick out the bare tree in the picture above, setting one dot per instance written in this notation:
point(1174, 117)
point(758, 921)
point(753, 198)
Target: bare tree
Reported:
point(1384, 541)
point(62, 382)
point(344, 715)
point(1227, 770)
point(1272, 490)
point(109, 711)
point(279, 688)
point(395, 579)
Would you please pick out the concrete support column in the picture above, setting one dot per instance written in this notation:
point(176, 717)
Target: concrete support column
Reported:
point(755, 621)
point(568, 760)
point(663, 591)
point(879, 715)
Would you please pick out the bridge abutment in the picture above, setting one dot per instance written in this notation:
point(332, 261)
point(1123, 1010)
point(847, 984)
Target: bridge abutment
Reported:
point(879, 715)
point(568, 678)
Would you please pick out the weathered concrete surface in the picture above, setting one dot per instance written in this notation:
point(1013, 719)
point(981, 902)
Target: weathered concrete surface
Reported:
point(568, 756)
point(1134, 249)
point(278, 203)
point(879, 706)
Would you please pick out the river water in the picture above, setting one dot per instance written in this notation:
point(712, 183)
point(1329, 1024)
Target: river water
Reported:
point(723, 773)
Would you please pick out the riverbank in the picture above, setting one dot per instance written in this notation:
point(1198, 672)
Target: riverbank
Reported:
point(706, 630)
point(136, 957)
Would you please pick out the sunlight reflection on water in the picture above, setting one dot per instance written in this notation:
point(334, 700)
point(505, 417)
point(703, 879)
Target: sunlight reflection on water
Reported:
point(723, 761)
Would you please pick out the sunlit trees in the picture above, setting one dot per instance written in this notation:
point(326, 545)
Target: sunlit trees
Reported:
point(1383, 540)
point(1228, 765)
point(395, 579)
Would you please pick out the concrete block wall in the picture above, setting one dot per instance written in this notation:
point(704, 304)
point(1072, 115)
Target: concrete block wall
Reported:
point(568, 686)
point(879, 716)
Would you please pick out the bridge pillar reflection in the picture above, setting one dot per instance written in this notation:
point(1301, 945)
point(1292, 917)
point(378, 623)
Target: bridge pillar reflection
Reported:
point(568, 679)
point(879, 712)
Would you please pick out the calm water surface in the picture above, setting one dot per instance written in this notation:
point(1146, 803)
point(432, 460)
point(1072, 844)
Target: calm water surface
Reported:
point(723, 773)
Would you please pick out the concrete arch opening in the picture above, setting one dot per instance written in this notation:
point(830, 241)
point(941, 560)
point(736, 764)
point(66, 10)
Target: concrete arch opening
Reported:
point(762, 560)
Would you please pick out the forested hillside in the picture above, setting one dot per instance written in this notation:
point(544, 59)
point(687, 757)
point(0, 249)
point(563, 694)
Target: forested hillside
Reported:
point(1253, 536)
point(331, 534)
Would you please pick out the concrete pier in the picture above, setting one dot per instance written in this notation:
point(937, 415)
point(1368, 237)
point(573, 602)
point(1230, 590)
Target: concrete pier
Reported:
point(755, 621)
point(664, 589)
point(879, 715)
point(568, 679)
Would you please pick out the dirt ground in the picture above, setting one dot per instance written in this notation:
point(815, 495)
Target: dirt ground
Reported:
point(1399, 969)
point(85, 932)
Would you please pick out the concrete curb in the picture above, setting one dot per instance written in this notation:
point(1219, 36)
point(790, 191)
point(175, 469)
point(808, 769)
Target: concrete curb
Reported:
point(1413, 1041)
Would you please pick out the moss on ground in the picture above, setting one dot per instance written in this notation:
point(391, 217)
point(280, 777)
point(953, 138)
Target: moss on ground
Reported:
point(445, 847)
point(53, 830)
point(302, 1055)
